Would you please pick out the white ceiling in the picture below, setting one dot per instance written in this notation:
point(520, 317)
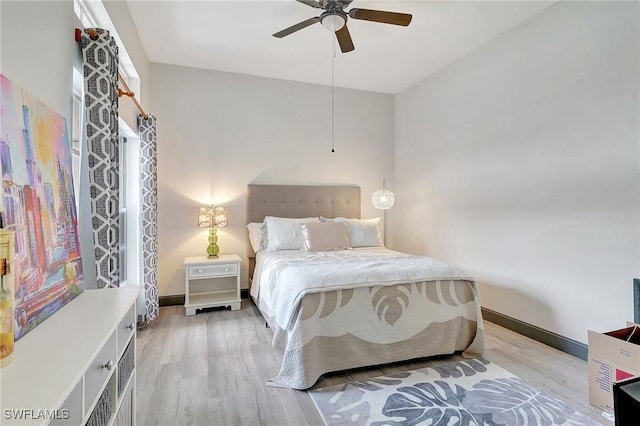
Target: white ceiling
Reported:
point(236, 36)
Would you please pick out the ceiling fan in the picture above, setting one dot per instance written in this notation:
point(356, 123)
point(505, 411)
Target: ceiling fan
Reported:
point(334, 18)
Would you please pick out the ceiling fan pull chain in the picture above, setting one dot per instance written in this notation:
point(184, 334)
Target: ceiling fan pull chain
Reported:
point(333, 88)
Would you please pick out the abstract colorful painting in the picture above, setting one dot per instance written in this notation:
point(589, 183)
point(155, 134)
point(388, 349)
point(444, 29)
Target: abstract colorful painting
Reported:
point(38, 202)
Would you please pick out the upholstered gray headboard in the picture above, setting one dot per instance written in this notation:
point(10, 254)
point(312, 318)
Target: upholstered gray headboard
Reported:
point(302, 201)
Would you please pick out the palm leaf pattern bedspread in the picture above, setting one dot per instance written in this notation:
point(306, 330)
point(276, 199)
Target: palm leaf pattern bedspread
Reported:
point(332, 311)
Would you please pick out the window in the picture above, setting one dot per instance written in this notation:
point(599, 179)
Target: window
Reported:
point(93, 14)
point(122, 177)
point(129, 208)
point(83, 14)
point(76, 133)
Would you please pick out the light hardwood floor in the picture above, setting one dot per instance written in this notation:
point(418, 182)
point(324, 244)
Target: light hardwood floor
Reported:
point(211, 369)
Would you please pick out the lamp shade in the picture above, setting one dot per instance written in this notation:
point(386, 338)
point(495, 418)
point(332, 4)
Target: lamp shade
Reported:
point(212, 217)
point(383, 199)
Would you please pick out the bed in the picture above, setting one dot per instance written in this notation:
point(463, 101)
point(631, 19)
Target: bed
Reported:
point(355, 306)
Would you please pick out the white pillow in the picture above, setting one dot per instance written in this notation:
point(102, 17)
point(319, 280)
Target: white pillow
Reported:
point(325, 236)
point(285, 233)
point(257, 236)
point(363, 232)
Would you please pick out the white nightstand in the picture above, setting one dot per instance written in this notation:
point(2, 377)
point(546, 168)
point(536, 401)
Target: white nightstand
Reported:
point(211, 282)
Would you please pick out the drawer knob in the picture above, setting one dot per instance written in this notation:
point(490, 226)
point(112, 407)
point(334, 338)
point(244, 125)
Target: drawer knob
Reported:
point(200, 271)
point(108, 365)
point(131, 326)
point(226, 269)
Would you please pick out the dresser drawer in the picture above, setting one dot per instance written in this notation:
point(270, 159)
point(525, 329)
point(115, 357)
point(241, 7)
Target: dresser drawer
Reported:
point(97, 373)
point(126, 328)
point(204, 271)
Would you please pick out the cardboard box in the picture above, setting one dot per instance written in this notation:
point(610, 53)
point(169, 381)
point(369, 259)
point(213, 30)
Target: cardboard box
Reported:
point(613, 356)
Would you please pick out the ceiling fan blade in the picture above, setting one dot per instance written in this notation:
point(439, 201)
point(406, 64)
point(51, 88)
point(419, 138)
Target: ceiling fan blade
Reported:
point(311, 3)
point(381, 16)
point(297, 27)
point(344, 39)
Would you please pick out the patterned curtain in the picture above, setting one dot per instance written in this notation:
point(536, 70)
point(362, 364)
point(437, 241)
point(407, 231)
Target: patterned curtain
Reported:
point(149, 181)
point(100, 56)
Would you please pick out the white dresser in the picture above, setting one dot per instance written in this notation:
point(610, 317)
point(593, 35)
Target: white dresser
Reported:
point(78, 366)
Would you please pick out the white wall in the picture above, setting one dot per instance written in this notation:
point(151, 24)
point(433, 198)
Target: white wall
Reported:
point(38, 49)
point(218, 132)
point(520, 164)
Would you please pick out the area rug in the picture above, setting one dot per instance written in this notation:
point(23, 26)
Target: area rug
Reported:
point(469, 392)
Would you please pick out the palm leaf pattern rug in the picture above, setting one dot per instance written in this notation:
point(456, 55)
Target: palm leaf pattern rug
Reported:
point(466, 393)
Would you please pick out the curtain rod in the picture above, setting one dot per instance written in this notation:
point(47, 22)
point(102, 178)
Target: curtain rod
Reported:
point(93, 34)
point(130, 94)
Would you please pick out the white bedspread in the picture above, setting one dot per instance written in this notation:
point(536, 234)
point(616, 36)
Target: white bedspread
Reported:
point(286, 276)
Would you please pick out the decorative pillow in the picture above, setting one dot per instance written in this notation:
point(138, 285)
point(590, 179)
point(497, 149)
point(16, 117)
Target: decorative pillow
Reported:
point(264, 239)
point(363, 232)
point(285, 233)
point(325, 236)
point(257, 236)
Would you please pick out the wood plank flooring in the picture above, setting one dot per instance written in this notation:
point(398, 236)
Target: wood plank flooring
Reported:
point(211, 369)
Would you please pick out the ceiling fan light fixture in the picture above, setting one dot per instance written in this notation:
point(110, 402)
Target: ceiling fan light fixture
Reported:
point(333, 21)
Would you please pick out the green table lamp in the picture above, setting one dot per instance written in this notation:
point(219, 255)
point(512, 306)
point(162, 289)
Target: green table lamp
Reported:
point(212, 217)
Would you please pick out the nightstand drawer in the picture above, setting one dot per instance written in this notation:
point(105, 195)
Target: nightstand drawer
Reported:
point(213, 270)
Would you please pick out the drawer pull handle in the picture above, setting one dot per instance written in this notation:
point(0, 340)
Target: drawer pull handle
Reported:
point(108, 365)
point(131, 326)
point(200, 271)
point(226, 269)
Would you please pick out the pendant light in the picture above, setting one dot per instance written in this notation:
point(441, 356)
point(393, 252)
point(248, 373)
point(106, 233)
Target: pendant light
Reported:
point(383, 199)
